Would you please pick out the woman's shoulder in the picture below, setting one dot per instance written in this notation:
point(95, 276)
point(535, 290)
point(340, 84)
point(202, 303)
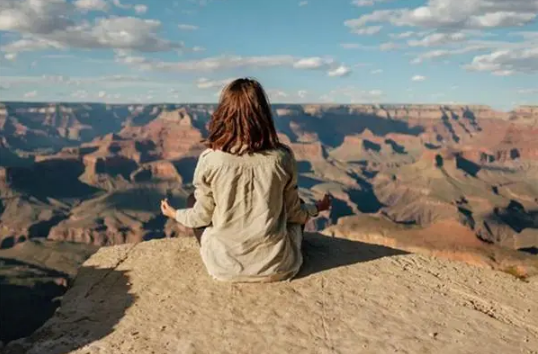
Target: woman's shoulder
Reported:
point(282, 155)
point(285, 152)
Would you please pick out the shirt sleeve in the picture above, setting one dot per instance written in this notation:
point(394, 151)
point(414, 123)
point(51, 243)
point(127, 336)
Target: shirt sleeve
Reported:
point(297, 212)
point(201, 214)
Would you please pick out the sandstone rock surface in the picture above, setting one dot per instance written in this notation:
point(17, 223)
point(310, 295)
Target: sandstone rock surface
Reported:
point(351, 297)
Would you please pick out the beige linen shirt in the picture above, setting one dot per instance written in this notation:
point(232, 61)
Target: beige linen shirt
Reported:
point(251, 209)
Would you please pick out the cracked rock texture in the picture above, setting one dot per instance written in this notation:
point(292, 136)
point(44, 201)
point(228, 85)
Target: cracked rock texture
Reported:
point(351, 297)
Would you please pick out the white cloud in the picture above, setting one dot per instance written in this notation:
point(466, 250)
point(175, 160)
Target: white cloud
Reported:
point(507, 62)
point(418, 78)
point(119, 5)
point(34, 16)
point(73, 81)
point(303, 3)
point(368, 30)
point(454, 14)
point(340, 71)
point(30, 94)
point(438, 39)
point(528, 91)
point(125, 33)
point(80, 94)
point(388, 46)
point(140, 9)
point(302, 93)
point(226, 62)
point(333, 68)
point(376, 71)
point(312, 63)
point(402, 35)
point(357, 46)
point(472, 46)
point(204, 83)
point(91, 5)
point(187, 27)
point(211, 63)
point(362, 3)
point(434, 54)
point(10, 56)
point(275, 95)
point(374, 17)
point(101, 94)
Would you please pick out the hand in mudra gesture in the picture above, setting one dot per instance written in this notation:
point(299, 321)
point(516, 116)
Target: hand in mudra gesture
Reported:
point(324, 204)
point(166, 209)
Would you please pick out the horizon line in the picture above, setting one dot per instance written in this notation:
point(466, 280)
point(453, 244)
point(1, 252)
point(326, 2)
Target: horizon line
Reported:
point(272, 103)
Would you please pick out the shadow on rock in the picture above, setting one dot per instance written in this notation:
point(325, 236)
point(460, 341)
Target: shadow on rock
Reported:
point(89, 311)
point(28, 297)
point(322, 253)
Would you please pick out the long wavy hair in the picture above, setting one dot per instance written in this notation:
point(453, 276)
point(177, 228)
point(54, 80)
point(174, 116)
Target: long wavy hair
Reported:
point(242, 122)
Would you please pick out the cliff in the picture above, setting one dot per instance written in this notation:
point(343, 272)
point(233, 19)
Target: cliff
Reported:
point(155, 297)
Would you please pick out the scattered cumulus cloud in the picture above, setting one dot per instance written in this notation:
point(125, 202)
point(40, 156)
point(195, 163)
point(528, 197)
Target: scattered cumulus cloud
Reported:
point(312, 63)
point(35, 16)
point(275, 95)
point(452, 14)
point(204, 83)
point(389, 46)
point(376, 71)
point(119, 5)
point(30, 94)
point(80, 94)
point(402, 35)
point(507, 62)
point(438, 39)
point(118, 33)
point(363, 3)
point(303, 3)
point(368, 30)
point(357, 46)
point(187, 27)
point(10, 56)
point(418, 78)
point(456, 27)
point(225, 62)
point(92, 5)
point(140, 9)
point(528, 91)
point(340, 71)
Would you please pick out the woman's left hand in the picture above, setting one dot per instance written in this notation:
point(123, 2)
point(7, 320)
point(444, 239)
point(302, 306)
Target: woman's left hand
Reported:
point(167, 210)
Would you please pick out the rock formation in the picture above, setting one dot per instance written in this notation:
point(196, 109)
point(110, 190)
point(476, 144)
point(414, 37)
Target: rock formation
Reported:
point(350, 297)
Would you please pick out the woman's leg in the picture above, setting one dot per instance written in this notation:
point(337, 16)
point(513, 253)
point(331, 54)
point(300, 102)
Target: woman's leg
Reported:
point(191, 200)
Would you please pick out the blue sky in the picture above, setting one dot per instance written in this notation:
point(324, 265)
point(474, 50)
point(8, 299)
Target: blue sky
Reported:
point(341, 51)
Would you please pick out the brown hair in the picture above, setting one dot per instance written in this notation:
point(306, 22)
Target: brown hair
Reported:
point(242, 122)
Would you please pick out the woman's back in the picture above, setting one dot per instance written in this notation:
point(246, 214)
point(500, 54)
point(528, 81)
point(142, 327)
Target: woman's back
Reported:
point(256, 215)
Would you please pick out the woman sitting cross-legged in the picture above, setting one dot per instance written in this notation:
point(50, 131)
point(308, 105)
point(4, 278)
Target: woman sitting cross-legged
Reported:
point(246, 211)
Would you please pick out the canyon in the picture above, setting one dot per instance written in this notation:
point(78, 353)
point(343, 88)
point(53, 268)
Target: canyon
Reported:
point(452, 181)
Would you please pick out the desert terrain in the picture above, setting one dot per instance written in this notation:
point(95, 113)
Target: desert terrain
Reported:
point(456, 182)
point(351, 297)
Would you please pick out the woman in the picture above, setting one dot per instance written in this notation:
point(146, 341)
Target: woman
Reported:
point(246, 210)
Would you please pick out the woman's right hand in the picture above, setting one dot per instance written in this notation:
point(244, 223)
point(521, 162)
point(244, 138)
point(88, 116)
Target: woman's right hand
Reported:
point(324, 204)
